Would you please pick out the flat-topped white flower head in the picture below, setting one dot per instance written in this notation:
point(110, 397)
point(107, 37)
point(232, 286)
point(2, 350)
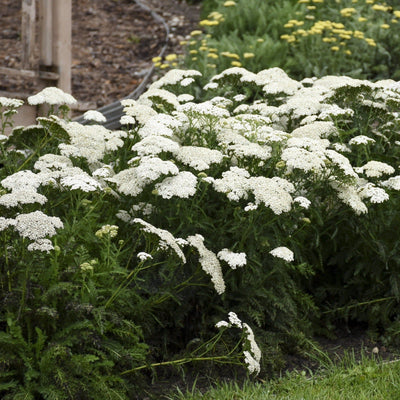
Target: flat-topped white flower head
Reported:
point(283, 252)
point(10, 103)
point(37, 225)
point(182, 185)
point(52, 96)
point(95, 116)
point(233, 259)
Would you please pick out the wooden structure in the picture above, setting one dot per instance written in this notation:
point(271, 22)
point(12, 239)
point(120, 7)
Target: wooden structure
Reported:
point(54, 42)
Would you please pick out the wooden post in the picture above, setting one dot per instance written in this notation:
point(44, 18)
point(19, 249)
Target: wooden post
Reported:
point(28, 33)
point(56, 41)
point(62, 42)
point(45, 33)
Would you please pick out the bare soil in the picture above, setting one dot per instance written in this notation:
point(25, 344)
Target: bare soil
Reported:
point(113, 42)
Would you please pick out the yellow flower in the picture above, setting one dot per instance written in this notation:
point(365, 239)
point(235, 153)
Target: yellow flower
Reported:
point(236, 64)
point(213, 50)
point(303, 1)
point(194, 58)
point(207, 22)
point(358, 34)
point(203, 48)
point(211, 66)
point(156, 59)
point(212, 55)
point(193, 52)
point(379, 7)
point(196, 33)
point(347, 12)
point(362, 19)
point(183, 42)
point(193, 42)
point(260, 40)
point(163, 66)
point(229, 3)
point(338, 25)
point(311, 7)
point(171, 57)
point(248, 55)
point(343, 36)
point(396, 14)
point(370, 42)
point(157, 64)
point(335, 48)
point(385, 26)
point(348, 52)
point(230, 55)
point(288, 25)
point(174, 64)
point(394, 21)
point(317, 1)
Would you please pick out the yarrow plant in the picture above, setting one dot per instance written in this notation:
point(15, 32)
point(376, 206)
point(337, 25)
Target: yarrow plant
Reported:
point(121, 250)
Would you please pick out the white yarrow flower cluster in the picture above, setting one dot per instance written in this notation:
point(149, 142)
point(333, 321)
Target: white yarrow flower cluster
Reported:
point(198, 158)
point(166, 237)
point(209, 262)
point(107, 231)
point(283, 252)
point(233, 259)
point(95, 116)
point(52, 96)
point(182, 185)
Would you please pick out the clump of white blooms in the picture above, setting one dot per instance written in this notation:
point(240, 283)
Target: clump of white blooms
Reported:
point(37, 225)
point(302, 201)
point(209, 262)
point(107, 231)
point(166, 238)
point(361, 139)
point(198, 158)
point(182, 185)
point(95, 116)
point(52, 96)
point(20, 197)
point(392, 183)
point(233, 259)
point(375, 169)
point(283, 252)
point(44, 245)
point(252, 357)
point(143, 256)
point(10, 103)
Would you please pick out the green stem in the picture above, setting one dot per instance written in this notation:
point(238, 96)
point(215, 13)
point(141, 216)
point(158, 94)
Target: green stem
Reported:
point(180, 362)
point(365, 303)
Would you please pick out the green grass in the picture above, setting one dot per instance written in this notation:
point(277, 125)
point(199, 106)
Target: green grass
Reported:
point(366, 380)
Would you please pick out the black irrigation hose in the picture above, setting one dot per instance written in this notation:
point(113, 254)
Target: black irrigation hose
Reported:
point(113, 111)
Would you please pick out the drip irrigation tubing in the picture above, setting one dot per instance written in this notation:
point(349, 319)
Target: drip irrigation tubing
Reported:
point(113, 112)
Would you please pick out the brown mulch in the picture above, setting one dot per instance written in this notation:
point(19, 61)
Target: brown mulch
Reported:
point(113, 42)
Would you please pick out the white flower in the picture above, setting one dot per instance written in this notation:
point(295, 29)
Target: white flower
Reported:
point(342, 162)
point(273, 193)
point(140, 112)
point(375, 169)
point(392, 183)
point(206, 108)
point(173, 77)
point(221, 324)
point(233, 259)
point(155, 145)
point(6, 222)
point(127, 120)
point(315, 130)
point(350, 196)
point(10, 103)
point(199, 158)
point(235, 183)
point(95, 116)
point(19, 197)
point(186, 82)
point(283, 252)
point(373, 193)
point(22, 180)
point(255, 350)
point(361, 139)
point(157, 96)
point(184, 98)
point(252, 365)
point(142, 256)
point(52, 162)
point(166, 237)
point(209, 262)
point(132, 181)
point(107, 230)
point(82, 182)
point(298, 158)
point(234, 319)
point(37, 225)
point(106, 171)
point(302, 201)
point(52, 96)
point(41, 245)
point(182, 185)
